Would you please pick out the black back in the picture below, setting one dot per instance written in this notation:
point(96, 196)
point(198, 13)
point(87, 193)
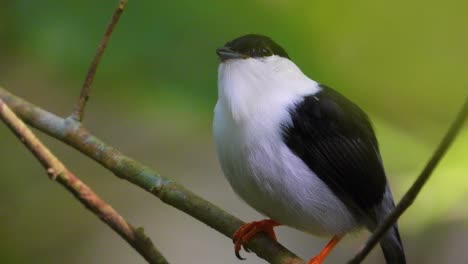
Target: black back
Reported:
point(334, 137)
point(254, 45)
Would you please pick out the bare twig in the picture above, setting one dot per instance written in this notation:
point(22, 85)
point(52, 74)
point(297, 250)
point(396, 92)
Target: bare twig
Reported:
point(56, 170)
point(86, 88)
point(168, 190)
point(411, 194)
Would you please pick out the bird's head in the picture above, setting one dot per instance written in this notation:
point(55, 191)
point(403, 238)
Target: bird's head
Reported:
point(250, 46)
point(255, 72)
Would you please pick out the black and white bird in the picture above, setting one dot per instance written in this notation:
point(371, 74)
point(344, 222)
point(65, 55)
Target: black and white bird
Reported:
point(297, 151)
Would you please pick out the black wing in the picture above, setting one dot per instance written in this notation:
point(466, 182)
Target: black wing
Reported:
point(334, 137)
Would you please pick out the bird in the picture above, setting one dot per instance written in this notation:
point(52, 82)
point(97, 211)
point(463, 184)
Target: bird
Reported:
point(297, 151)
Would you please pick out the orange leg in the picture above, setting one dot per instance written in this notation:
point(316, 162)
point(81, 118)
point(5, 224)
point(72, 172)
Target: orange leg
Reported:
point(245, 232)
point(325, 251)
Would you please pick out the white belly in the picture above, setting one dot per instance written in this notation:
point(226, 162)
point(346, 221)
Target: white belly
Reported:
point(269, 177)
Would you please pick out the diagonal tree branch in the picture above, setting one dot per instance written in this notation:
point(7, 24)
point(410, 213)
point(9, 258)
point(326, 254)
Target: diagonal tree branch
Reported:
point(74, 134)
point(57, 171)
point(411, 194)
point(86, 88)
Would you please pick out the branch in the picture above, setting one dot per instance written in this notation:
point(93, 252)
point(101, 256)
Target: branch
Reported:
point(411, 194)
point(74, 134)
point(86, 88)
point(57, 171)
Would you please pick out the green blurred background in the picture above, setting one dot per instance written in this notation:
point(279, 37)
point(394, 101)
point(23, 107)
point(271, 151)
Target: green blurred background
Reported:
point(404, 62)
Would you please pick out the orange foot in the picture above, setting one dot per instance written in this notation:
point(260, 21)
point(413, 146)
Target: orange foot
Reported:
point(245, 232)
point(325, 251)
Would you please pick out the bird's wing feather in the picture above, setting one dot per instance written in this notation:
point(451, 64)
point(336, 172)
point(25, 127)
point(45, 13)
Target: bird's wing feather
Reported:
point(335, 139)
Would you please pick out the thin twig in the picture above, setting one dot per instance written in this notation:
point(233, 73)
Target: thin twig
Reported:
point(57, 171)
point(411, 194)
point(168, 190)
point(86, 88)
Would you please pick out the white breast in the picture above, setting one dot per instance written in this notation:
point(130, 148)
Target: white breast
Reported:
point(253, 103)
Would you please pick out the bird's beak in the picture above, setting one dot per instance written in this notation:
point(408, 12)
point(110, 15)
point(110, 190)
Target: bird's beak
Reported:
point(226, 53)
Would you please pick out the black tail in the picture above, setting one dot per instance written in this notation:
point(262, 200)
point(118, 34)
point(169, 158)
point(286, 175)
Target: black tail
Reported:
point(392, 247)
point(391, 243)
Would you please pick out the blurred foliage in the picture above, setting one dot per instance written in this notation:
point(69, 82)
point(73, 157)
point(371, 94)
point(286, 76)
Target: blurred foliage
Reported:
point(404, 62)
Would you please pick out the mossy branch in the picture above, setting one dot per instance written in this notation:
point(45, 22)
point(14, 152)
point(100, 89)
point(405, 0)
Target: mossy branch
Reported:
point(169, 191)
point(57, 171)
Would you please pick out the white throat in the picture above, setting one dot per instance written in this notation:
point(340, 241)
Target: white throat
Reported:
point(246, 86)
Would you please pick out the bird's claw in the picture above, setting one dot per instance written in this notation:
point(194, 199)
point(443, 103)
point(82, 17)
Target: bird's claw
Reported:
point(245, 232)
point(238, 255)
